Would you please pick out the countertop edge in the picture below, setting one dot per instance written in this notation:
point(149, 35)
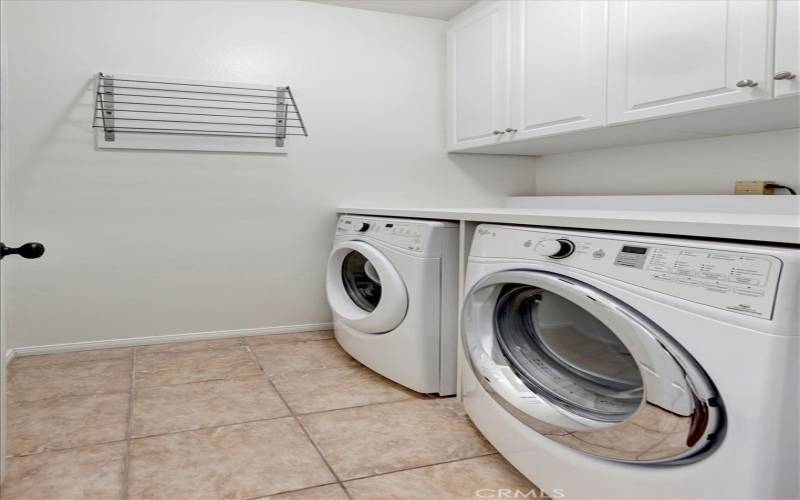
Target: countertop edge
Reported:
point(712, 226)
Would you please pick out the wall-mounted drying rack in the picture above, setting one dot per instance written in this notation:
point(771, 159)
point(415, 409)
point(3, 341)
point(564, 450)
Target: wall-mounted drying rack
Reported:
point(137, 112)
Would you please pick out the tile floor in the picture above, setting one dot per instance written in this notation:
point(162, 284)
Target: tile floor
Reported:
point(280, 416)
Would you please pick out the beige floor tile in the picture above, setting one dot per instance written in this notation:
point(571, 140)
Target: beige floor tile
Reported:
point(157, 410)
point(68, 379)
point(237, 461)
point(334, 388)
point(72, 357)
point(367, 440)
point(60, 423)
point(166, 368)
point(301, 356)
point(195, 345)
point(328, 492)
point(481, 477)
point(93, 472)
point(289, 337)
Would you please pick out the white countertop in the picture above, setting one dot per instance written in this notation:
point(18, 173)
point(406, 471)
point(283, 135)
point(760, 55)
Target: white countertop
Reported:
point(777, 228)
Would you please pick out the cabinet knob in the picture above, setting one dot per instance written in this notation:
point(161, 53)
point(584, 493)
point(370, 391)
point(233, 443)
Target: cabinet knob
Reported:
point(746, 83)
point(511, 130)
point(784, 75)
point(497, 132)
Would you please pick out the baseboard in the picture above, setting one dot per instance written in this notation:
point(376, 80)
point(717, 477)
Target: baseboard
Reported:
point(10, 355)
point(162, 339)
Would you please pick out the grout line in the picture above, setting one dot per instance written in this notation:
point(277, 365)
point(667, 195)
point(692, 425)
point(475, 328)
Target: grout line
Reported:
point(62, 363)
point(219, 426)
point(59, 450)
point(302, 427)
point(219, 379)
point(292, 491)
point(462, 459)
point(377, 403)
point(259, 344)
point(126, 464)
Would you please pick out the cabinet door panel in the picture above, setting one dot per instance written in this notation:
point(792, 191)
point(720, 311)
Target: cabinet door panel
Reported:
point(478, 76)
point(671, 57)
point(558, 66)
point(787, 47)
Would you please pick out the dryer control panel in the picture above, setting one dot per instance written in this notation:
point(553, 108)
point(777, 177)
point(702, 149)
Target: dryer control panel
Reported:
point(741, 282)
point(407, 235)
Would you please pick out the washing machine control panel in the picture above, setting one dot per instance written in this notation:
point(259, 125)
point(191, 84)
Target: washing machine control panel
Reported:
point(411, 236)
point(740, 282)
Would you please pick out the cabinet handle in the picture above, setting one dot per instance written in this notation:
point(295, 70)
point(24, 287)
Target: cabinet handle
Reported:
point(511, 130)
point(784, 75)
point(746, 83)
point(497, 132)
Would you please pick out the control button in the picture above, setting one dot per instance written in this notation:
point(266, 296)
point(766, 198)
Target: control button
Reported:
point(363, 227)
point(598, 254)
point(689, 281)
point(555, 249)
point(663, 277)
point(749, 292)
point(716, 287)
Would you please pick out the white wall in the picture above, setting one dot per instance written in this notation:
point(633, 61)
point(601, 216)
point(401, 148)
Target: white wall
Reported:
point(144, 243)
point(702, 166)
point(3, 212)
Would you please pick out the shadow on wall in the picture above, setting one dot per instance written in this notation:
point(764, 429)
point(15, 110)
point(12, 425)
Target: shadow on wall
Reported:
point(501, 175)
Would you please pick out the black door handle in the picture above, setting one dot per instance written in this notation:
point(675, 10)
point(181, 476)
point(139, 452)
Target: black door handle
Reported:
point(28, 250)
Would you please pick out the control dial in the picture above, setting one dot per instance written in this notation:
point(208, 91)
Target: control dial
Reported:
point(362, 228)
point(555, 249)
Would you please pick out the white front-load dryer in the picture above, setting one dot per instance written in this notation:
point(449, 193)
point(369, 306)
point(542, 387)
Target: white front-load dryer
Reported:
point(392, 285)
point(619, 366)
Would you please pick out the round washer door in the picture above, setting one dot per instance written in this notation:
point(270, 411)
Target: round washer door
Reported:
point(364, 289)
point(586, 370)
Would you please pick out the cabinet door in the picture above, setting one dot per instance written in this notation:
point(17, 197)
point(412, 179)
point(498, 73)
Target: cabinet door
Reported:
point(787, 48)
point(558, 66)
point(671, 57)
point(477, 55)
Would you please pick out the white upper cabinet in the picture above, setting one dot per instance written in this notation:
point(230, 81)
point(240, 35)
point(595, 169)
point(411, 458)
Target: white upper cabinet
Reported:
point(787, 48)
point(558, 67)
point(532, 77)
point(478, 46)
point(672, 57)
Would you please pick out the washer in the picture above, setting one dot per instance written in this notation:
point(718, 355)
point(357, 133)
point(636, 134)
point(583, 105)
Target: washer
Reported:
point(392, 285)
point(618, 366)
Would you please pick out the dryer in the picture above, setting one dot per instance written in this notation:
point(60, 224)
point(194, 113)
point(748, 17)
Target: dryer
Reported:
point(607, 365)
point(392, 286)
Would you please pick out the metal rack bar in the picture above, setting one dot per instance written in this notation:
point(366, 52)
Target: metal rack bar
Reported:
point(291, 98)
point(119, 118)
point(196, 132)
point(232, 101)
point(155, 89)
point(120, 110)
point(177, 83)
point(199, 107)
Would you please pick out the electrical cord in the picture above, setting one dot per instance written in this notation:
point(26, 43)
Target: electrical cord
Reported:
point(780, 186)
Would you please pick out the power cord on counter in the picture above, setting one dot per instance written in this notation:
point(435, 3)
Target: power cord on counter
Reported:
point(780, 186)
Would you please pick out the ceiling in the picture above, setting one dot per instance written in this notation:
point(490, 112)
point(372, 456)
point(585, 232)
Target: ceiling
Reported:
point(437, 9)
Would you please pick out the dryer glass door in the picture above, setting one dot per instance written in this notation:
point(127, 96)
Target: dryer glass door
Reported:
point(559, 349)
point(586, 370)
point(361, 281)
